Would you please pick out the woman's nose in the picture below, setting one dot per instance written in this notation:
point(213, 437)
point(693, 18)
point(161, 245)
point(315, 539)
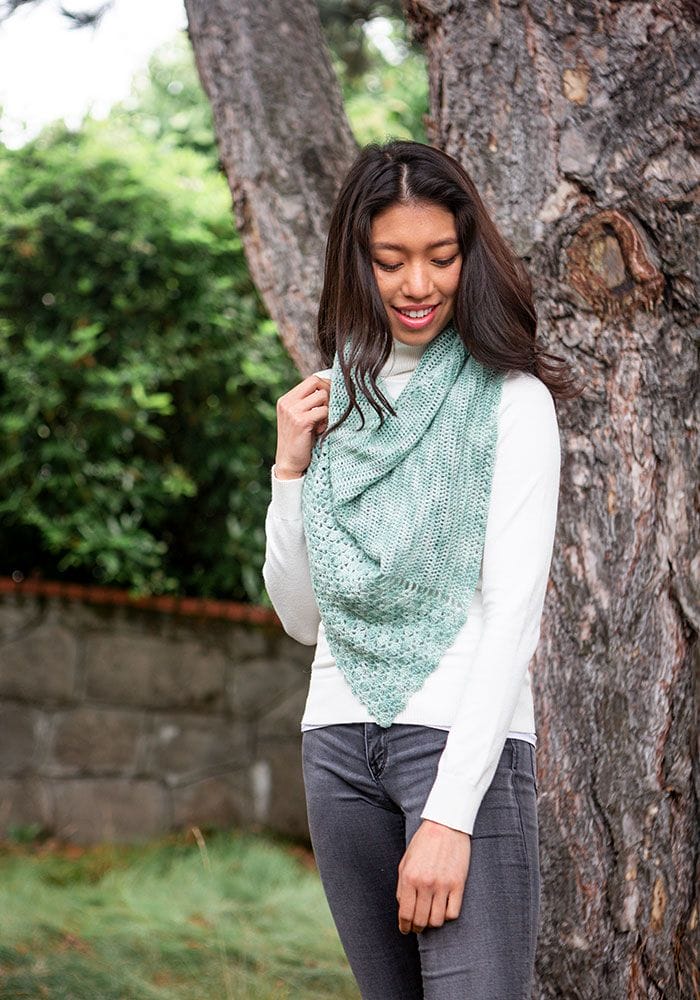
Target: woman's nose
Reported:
point(417, 283)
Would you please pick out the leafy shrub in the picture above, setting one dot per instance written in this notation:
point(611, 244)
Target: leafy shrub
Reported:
point(138, 371)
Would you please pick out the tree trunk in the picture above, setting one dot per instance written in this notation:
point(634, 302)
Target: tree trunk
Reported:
point(576, 121)
point(285, 144)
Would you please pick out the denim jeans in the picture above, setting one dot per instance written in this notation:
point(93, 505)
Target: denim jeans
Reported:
point(365, 789)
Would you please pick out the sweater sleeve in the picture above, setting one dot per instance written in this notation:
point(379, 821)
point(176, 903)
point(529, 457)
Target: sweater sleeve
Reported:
point(517, 556)
point(286, 566)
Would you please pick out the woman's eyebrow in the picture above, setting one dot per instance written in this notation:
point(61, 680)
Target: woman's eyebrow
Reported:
point(397, 246)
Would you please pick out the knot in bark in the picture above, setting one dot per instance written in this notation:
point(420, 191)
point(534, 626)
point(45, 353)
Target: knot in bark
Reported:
point(610, 267)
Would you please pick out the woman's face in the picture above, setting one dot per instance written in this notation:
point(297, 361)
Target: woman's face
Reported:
point(417, 262)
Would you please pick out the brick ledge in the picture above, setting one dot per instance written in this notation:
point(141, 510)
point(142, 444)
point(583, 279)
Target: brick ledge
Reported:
point(195, 607)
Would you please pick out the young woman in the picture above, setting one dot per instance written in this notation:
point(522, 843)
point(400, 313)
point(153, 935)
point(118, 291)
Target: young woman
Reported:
point(409, 537)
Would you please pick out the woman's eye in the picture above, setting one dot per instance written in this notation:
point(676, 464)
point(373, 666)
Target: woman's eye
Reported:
point(440, 263)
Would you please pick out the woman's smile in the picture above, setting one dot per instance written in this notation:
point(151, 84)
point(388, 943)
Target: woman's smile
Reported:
point(414, 317)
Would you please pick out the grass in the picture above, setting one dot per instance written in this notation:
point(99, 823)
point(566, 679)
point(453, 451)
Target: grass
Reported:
point(228, 916)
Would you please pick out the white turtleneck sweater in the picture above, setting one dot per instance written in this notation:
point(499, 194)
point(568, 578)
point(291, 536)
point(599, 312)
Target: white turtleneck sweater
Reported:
point(481, 689)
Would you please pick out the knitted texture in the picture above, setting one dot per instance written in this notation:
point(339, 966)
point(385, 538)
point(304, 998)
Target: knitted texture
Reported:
point(395, 519)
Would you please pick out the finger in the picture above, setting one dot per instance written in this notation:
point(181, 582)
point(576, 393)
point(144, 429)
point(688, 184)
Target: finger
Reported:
point(421, 913)
point(306, 412)
point(436, 918)
point(317, 413)
point(316, 405)
point(454, 904)
point(317, 394)
point(407, 905)
point(316, 382)
point(311, 384)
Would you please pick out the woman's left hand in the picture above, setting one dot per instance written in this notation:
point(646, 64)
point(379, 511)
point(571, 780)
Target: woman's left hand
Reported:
point(432, 876)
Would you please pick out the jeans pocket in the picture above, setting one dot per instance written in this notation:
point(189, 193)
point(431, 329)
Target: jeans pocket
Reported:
point(526, 762)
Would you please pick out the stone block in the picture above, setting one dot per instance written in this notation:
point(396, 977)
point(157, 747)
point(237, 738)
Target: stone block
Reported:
point(20, 732)
point(154, 671)
point(283, 647)
point(17, 614)
point(246, 642)
point(39, 665)
point(284, 717)
point(24, 801)
point(277, 787)
point(78, 616)
point(256, 686)
point(93, 740)
point(183, 747)
point(91, 810)
point(219, 802)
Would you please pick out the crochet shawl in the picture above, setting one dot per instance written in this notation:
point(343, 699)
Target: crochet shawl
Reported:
point(395, 518)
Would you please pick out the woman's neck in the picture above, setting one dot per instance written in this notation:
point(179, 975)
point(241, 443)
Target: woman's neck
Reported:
point(402, 359)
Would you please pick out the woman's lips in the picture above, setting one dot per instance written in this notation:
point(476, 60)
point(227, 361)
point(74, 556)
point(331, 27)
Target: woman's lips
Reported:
point(415, 323)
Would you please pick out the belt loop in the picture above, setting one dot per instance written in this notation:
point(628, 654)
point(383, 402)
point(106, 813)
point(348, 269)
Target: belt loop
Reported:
point(514, 764)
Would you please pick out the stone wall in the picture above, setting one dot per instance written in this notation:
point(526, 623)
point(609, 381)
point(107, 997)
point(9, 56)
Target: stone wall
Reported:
point(121, 721)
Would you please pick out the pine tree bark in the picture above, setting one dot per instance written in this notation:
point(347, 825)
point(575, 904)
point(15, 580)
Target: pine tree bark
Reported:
point(577, 123)
point(285, 144)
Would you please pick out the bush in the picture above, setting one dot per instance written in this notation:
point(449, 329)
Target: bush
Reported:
point(138, 371)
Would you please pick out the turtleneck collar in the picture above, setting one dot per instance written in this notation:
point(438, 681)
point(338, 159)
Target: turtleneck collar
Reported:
point(403, 358)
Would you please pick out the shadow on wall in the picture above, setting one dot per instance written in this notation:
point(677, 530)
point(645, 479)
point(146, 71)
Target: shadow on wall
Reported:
point(124, 719)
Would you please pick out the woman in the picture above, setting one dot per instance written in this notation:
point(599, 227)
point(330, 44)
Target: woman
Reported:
point(409, 536)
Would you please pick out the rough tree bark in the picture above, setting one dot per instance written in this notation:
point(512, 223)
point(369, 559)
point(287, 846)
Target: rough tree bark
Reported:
point(285, 144)
point(576, 121)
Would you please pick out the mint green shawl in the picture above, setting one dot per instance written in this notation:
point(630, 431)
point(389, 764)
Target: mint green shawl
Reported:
point(395, 518)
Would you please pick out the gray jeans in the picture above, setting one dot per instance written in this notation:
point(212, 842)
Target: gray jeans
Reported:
point(365, 789)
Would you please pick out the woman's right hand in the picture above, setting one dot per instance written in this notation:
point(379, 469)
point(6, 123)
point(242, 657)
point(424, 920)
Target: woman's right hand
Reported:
point(302, 414)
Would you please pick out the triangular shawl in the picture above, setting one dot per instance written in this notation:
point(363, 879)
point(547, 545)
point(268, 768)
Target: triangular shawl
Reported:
point(395, 518)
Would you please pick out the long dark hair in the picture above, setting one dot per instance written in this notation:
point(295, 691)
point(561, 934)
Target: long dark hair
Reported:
point(494, 313)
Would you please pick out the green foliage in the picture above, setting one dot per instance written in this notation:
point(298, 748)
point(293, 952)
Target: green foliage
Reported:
point(236, 917)
point(25, 833)
point(389, 98)
point(138, 372)
point(167, 103)
point(344, 23)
